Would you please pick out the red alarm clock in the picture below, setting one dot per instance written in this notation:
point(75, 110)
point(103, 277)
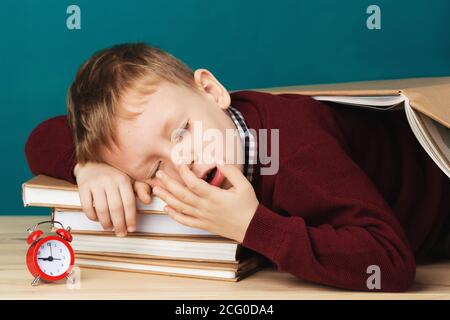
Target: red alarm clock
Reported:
point(50, 258)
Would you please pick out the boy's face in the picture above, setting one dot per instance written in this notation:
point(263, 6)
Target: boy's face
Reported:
point(155, 138)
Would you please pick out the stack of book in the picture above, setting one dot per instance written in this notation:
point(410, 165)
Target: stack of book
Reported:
point(160, 245)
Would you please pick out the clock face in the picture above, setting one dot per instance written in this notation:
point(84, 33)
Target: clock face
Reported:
point(53, 258)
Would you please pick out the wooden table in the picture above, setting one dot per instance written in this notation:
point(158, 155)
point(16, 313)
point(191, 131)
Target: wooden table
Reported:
point(432, 280)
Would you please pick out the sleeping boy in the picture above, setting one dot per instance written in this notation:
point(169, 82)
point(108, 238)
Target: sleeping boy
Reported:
point(344, 189)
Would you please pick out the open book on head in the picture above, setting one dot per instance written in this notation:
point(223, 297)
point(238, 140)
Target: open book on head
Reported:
point(426, 102)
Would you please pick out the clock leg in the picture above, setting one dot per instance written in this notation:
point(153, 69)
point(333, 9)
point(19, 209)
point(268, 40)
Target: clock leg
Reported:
point(35, 281)
point(70, 278)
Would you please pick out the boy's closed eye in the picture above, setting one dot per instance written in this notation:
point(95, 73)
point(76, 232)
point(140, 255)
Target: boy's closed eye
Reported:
point(178, 136)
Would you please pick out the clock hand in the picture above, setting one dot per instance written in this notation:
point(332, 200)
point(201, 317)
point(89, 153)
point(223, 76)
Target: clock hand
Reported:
point(50, 258)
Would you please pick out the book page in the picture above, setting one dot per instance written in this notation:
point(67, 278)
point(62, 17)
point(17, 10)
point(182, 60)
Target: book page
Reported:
point(439, 136)
point(384, 103)
point(432, 136)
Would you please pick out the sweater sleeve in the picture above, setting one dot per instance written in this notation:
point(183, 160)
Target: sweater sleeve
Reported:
point(328, 224)
point(50, 149)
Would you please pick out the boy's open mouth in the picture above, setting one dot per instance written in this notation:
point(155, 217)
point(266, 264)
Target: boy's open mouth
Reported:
point(214, 177)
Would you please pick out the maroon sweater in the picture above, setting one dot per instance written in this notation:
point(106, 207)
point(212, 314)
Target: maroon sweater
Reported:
point(354, 189)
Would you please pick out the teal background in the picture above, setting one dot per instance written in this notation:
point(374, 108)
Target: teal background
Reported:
point(246, 44)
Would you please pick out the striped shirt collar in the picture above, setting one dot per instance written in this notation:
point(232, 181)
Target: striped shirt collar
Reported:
point(248, 141)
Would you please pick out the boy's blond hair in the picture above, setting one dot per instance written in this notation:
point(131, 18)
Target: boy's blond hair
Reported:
point(100, 84)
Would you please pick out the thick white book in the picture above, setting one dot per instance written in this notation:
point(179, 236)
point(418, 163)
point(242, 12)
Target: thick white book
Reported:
point(153, 223)
point(150, 246)
point(45, 191)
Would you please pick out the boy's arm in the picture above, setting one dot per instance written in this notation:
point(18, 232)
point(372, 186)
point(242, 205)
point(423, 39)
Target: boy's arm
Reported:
point(50, 149)
point(336, 230)
point(335, 225)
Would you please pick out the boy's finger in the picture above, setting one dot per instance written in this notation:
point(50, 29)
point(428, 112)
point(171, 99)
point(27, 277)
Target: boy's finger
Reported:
point(86, 204)
point(184, 218)
point(174, 202)
point(116, 210)
point(233, 174)
point(198, 186)
point(177, 189)
point(129, 206)
point(143, 191)
point(101, 208)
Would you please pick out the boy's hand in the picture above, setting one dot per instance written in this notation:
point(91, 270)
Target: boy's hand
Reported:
point(106, 195)
point(201, 205)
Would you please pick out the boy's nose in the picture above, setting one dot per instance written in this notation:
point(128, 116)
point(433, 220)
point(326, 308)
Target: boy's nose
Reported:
point(190, 159)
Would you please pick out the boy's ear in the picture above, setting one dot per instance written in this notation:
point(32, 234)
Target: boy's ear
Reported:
point(209, 85)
